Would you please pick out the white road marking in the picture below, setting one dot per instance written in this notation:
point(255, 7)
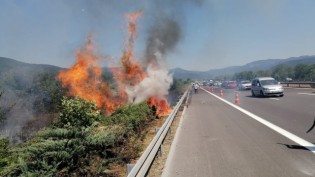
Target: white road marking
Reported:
point(171, 153)
point(274, 98)
point(306, 93)
point(296, 88)
point(276, 128)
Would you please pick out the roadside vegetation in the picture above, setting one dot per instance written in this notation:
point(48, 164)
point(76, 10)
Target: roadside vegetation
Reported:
point(3, 110)
point(79, 140)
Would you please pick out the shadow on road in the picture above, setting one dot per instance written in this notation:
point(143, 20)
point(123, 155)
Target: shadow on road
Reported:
point(249, 96)
point(290, 146)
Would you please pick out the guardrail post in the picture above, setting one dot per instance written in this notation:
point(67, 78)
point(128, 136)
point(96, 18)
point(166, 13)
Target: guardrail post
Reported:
point(160, 151)
point(160, 148)
point(129, 167)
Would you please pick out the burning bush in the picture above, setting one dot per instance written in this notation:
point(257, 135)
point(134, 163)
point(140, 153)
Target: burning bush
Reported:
point(133, 82)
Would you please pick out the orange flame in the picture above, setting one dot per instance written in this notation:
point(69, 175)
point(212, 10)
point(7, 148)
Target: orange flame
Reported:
point(83, 79)
point(130, 73)
point(162, 107)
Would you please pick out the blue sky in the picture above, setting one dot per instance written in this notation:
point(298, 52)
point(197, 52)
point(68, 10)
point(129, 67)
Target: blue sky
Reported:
point(214, 33)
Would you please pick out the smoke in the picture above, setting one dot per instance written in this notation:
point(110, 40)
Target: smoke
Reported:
point(165, 32)
point(23, 100)
point(157, 83)
point(163, 37)
point(17, 117)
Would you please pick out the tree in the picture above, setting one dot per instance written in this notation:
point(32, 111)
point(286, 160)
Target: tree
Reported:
point(281, 72)
point(301, 71)
point(244, 75)
point(4, 110)
point(311, 72)
point(50, 90)
point(262, 73)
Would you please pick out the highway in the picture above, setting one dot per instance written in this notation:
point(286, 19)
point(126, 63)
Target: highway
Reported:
point(216, 139)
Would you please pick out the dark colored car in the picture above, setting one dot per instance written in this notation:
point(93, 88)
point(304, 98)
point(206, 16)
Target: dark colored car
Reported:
point(229, 84)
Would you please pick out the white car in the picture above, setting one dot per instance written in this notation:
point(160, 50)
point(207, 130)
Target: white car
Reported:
point(244, 85)
point(266, 86)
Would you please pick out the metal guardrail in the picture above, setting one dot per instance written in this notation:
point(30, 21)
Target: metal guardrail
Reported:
point(143, 164)
point(299, 84)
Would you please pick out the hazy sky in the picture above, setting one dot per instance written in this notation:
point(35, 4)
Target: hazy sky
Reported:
point(213, 33)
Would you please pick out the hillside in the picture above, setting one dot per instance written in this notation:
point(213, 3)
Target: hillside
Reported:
point(17, 75)
point(252, 66)
point(28, 88)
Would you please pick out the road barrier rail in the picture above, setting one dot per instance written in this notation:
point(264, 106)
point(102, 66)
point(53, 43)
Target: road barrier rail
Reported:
point(299, 84)
point(143, 164)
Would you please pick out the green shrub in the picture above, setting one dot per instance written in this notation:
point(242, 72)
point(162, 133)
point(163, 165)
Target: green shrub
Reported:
point(77, 113)
point(4, 150)
point(132, 116)
point(80, 135)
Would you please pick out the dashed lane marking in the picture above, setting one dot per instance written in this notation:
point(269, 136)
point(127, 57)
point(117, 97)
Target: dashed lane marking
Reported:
point(274, 98)
point(276, 128)
point(306, 94)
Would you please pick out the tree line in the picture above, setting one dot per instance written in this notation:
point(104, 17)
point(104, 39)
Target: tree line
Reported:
point(282, 72)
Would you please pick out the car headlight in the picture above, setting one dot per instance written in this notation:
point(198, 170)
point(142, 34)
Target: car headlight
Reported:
point(265, 89)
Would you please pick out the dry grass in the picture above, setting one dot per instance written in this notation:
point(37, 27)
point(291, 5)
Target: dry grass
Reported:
point(159, 162)
point(120, 170)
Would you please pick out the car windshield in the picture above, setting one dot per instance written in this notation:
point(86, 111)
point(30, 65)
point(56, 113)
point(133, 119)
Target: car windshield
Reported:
point(245, 82)
point(269, 82)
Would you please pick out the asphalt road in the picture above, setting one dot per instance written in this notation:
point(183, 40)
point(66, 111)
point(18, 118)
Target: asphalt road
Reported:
point(215, 139)
point(295, 112)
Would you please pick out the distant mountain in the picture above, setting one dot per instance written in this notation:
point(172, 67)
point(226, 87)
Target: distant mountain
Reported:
point(253, 66)
point(18, 75)
point(183, 74)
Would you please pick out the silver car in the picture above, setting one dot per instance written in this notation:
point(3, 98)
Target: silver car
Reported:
point(244, 85)
point(266, 86)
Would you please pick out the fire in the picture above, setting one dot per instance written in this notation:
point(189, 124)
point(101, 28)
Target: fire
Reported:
point(131, 72)
point(161, 106)
point(83, 79)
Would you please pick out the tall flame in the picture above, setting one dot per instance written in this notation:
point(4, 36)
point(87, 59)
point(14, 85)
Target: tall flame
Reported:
point(83, 79)
point(131, 72)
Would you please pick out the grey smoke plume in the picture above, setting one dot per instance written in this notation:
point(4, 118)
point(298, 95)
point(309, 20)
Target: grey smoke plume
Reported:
point(163, 37)
point(20, 90)
point(21, 113)
point(157, 84)
point(165, 31)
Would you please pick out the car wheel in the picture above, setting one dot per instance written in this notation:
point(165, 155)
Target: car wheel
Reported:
point(253, 94)
point(262, 93)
